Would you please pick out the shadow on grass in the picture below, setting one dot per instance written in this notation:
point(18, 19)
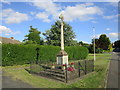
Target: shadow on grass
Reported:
point(28, 70)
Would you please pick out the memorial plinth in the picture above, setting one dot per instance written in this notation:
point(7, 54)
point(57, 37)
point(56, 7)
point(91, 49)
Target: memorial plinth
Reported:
point(62, 57)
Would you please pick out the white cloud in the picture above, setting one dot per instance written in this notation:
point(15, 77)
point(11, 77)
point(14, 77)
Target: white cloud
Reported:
point(32, 13)
point(48, 6)
point(95, 36)
point(85, 42)
point(7, 34)
point(94, 21)
point(114, 35)
point(110, 35)
point(115, 4)
point(6, 2)
point(10, 16)
point(81, 12)
point(108, 29)
point(110, 17)
point(4, 29)
point(43, 16)
point(7, 31)
point(78, 12)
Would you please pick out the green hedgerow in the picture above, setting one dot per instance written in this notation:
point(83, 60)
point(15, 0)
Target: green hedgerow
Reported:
point(13, 54)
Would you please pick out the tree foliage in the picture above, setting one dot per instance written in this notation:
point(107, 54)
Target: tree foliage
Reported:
point(103, 42)
point(33, 37)
point(117, 44)
point(53, 35)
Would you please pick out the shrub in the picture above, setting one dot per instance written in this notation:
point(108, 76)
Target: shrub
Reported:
point(76, 52)
point(13, 54)
point(97, 50)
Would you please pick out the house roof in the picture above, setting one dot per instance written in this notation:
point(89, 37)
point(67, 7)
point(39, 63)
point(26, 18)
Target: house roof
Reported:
point(5, 40)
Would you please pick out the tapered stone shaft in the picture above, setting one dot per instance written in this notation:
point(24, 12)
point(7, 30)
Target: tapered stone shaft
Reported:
point(62, 37)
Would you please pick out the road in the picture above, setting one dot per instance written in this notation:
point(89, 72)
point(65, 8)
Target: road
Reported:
point(114, 72)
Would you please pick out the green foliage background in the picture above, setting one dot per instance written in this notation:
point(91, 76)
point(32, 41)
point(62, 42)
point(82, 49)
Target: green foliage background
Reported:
point(53, 35)
point(13, 54)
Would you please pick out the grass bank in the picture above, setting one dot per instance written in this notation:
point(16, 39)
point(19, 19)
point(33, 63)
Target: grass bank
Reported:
point(93, 80)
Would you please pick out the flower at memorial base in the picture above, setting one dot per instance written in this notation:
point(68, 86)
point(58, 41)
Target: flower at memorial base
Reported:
point(64, 65)
point(72, 63)
point(70, 69)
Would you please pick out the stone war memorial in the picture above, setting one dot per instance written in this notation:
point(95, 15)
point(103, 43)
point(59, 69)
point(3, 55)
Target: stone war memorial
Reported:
point(62, 56)
point(62, 70)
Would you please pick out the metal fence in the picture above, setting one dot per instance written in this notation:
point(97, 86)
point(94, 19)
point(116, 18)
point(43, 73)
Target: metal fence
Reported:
point(63, 73)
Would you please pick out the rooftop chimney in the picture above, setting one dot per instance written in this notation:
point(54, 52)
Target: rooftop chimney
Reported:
point(11, 37)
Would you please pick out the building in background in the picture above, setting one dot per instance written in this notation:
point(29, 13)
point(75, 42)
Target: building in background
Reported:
point(11, 40)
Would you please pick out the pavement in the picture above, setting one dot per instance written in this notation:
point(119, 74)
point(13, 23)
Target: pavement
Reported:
point(8, 82)
point(114, 72)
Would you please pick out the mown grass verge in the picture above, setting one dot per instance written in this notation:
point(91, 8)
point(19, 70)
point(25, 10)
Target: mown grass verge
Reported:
point(93, 80)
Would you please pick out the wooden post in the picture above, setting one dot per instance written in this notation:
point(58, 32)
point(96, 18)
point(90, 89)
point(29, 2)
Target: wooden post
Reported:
point(79, 69)
point(93, 65)
point(37, 55)
point(85, 67)
point(30, 66)
point(66, 73)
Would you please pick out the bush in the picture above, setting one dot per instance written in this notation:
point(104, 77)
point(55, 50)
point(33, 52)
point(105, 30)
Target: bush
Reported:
point(97, 50)
point(76, 52)
point(22, 54)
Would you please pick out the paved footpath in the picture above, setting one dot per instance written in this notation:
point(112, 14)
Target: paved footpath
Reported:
point(114, 73)
point(8, 82)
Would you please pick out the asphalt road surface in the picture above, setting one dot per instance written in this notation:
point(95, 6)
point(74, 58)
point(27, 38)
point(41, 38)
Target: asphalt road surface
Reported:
point(114, 73)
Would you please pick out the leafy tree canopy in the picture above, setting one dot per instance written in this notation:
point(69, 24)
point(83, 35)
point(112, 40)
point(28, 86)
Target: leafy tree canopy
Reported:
point(33, 37)
point(53, 35)
point(103, 42)
point(117, 44)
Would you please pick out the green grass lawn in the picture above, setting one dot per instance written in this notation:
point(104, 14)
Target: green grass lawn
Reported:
point(92, 80)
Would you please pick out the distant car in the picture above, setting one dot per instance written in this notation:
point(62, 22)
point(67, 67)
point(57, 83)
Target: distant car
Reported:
point(116, 50)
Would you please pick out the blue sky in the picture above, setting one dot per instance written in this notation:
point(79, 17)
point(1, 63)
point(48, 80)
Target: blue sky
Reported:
point(18, 16)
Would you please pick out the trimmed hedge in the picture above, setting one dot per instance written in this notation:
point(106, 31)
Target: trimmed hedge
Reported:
point(76, 52)
point(13, 54)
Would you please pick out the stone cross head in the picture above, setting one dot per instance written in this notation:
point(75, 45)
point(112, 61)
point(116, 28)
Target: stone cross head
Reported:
point(61, 17)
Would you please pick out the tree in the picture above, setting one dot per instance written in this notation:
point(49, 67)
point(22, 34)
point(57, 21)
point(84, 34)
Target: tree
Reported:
point(117, 44)
point(33, 37)
point(80, 43)
point(53, 35)
point(110, 48)
point(96, 42)
point(103, 42)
